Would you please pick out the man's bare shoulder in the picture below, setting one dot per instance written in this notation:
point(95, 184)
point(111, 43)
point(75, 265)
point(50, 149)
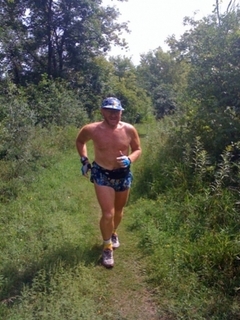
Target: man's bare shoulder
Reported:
point(88, 131)
point(128, 127)
point(93, 125)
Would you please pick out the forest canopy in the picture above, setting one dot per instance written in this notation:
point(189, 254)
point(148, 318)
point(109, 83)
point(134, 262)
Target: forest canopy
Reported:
point(55, 71)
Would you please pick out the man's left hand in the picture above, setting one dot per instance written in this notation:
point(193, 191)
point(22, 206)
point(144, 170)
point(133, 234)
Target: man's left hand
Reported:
point(124, 161)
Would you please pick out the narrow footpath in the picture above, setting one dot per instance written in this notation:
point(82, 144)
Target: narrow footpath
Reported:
point(129, 297)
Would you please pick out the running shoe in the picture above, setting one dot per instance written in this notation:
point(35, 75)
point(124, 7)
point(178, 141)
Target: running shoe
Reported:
point(115, 241)
point(107, 258)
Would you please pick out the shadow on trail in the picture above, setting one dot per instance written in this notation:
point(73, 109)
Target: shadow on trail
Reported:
point(14, 277)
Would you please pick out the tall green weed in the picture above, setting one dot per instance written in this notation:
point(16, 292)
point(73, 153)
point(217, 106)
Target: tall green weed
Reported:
point(34, 126)
point(186, 211)
point(42, 147)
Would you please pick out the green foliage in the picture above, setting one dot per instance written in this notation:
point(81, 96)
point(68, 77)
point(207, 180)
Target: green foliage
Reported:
point(192, 248)
point(188, 165)
point(39, 150)
point(55, 37)
point(120, 80)
point(25, 144)
point(155, 174)
point(209, 257)
point(51, 289)
point(189, 229)
point(188, 235)
point(210, 48)
point(47, 248)
point(163, 78)
point(184, 202)
point(54, 102)
point(137, 105)
point(16, 125)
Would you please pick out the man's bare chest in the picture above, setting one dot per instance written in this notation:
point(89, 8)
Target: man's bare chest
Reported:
point(111, 140)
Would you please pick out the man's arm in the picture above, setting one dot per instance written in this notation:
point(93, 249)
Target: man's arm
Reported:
point(135, 145)
point(126, 160)
point(82, 138)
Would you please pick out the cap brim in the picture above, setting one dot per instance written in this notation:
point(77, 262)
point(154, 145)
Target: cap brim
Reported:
point(112, 108)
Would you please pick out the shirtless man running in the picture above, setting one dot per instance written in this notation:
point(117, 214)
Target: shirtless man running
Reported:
point(116, 146)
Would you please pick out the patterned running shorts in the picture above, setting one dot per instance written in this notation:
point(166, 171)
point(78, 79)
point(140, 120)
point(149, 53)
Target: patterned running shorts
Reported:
point(118, 179)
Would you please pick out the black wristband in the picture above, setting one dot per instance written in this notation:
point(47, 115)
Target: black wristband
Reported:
point(84, 160)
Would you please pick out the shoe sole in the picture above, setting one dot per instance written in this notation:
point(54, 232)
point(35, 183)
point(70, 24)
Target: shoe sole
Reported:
point(108, 266)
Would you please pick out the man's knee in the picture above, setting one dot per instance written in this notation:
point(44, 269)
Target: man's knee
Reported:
point(107, 216)
point(119, 211)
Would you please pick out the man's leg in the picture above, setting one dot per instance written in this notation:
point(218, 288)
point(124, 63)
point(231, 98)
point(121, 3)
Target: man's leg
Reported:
point(120, 201)
point(106, 200)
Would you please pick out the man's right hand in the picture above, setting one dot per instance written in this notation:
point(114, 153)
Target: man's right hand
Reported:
point(86, 166)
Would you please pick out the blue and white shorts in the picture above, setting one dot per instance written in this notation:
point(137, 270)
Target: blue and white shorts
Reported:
point(118, 179)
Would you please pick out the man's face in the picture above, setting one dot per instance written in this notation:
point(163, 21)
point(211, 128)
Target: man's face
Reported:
point(112, 117)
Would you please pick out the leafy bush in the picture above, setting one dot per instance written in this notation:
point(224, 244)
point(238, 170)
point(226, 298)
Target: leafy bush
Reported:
point(41, 149)
point(54, 102)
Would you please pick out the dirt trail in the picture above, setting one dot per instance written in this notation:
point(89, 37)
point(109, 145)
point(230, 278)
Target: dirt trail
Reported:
point(128, 298)
point(129, 291)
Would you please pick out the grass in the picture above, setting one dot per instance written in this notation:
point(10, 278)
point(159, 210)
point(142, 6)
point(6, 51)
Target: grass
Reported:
point(50, 253)
point(194, 271)
point(179, 254)
point(48, 243)
point(189, 232)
